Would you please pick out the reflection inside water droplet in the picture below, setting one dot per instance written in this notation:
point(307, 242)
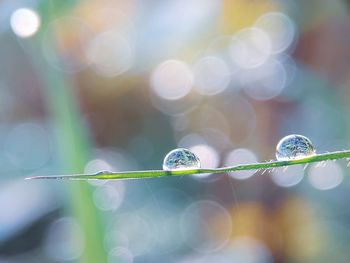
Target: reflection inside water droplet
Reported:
point(181, 159)
point(294, 147)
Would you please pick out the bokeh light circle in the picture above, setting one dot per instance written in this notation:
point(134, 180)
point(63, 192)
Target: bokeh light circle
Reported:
point(250, 48)
point(241, 156)
point(110, 54)
point(120, 255)
point(25, 22)
point(206, 226)
point(212, 75)
point(138, 231)
point(107, 197)
point(325, 176)
point(65, 240)
point(172, 80)
point(208, 156)
point(64, 44)
point(264, 82)
point(280, 29)
point(288, 176)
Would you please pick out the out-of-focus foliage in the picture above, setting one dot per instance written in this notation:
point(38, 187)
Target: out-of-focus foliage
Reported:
point(226, 79)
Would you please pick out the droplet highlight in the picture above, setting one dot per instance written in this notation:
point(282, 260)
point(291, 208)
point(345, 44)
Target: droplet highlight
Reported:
point(294, 147)
point(180, 159)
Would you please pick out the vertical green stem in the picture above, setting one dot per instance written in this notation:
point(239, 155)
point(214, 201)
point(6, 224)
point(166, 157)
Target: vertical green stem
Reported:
point(73, 150)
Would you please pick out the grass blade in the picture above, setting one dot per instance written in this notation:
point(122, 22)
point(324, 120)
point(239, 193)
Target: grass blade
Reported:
point(161, 173)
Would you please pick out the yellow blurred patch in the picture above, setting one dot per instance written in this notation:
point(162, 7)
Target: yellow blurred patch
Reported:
point(238, 14)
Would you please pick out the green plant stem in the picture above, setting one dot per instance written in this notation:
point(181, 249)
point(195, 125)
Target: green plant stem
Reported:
point(162, 173)
point(73, 149)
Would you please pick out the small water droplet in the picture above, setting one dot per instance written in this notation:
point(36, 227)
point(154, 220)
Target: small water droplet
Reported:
point(294, 147)
point(180, 159)
point(103, 172)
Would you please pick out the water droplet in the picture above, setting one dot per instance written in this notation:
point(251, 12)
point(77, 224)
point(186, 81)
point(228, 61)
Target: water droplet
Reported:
point(181, 159)
point(103, 172)
point(294, 147)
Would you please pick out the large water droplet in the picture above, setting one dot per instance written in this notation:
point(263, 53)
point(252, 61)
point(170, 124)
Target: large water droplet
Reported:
point(179, 159)
point(294, 147)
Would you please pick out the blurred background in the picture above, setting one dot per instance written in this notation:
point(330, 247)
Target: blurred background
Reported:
point(87, 86)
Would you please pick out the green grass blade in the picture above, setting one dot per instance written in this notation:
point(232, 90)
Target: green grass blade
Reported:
point(161, 173)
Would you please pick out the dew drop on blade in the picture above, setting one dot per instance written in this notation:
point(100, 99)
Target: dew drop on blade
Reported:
point(180, 159)
point(103, 172)
point(294, 147)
